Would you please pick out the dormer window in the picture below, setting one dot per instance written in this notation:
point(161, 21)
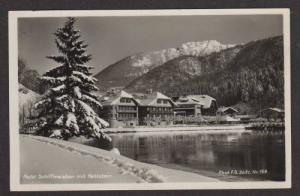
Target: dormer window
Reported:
point(125, 100)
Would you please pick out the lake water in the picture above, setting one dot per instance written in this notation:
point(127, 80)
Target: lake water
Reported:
point(244, 155)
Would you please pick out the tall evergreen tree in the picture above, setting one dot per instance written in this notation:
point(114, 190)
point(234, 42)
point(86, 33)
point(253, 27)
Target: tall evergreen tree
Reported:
point(67, 106)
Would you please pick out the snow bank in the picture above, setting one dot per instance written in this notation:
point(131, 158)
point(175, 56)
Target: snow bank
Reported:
point(146, 173)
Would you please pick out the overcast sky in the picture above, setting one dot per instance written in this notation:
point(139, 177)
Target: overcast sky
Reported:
point(113, 38)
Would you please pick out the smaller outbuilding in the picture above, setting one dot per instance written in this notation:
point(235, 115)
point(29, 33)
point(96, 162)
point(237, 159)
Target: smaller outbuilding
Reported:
point(196, 105)
point(187, 106)
point(227, 114)
point(227, 111)
point(272, 114)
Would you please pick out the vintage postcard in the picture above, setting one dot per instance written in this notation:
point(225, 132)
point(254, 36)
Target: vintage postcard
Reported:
point(149, 99)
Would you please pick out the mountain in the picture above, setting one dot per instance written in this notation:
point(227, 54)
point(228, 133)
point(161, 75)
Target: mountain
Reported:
point(251, 74)
point(184, 68)
point(128, 69)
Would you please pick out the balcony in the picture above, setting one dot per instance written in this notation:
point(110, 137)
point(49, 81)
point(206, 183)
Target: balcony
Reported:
point(127, 109)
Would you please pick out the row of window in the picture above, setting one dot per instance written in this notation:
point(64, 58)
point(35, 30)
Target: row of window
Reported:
point(127, 108)
point(128, 100)
point(159, 109)
point(160, 101)
point(127, 115)
point(158, 115)
point(190, 106)
point(125, 100)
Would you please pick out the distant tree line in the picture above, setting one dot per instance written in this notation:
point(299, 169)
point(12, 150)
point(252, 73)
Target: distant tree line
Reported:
point(255, 77)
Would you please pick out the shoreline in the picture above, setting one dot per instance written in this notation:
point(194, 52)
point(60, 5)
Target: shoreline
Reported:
point(209, 129)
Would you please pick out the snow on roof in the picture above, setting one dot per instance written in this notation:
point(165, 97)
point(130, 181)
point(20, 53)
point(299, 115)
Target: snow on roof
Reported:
point(223, 109)
point(187, 100)
point(150, 99)
point(113, 99)
point(274, 109)
point(123, 93)
point(146, 101)
point(204, 100)
point(161, 96)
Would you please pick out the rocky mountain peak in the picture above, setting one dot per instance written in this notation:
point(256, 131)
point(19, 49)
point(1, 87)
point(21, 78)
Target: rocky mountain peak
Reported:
point(128, 69)
point(203, 47)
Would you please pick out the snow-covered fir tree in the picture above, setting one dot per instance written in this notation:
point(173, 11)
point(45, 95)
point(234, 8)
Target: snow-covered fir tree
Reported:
point(67, 106)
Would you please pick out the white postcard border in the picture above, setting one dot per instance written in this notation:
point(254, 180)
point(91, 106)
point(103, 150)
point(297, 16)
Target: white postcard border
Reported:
point(14, 113)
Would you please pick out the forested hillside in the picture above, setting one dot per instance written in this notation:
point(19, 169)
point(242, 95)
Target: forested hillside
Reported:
point(255, 76)
point(251, 74)
point(175, 72)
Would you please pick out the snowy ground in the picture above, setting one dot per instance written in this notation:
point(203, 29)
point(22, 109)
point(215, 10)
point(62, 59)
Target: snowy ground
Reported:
point(46, 160)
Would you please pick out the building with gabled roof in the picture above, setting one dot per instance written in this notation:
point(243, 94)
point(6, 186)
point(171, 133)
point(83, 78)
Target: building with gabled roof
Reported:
point(272, 114)
point(154, 105)
point(196, 105)
point(227, 114)
point(188, 106)
point(206, 100)
point(231, 111)
point(119, 109)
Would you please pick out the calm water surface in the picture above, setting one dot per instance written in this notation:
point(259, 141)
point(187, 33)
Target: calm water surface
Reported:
point(209, 152)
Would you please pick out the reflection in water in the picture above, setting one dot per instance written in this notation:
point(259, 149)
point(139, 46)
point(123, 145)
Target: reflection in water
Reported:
point(212, 152)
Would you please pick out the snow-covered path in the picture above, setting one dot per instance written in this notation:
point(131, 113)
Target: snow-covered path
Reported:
point(46, 160)
point(38, 158)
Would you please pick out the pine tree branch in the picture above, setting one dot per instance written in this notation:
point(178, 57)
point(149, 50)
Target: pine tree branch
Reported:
point(91, 100)
point(61, 47)
point(58, 59)
point(59, 89)
point(53, 80)
point(74, 80)
point(42, 102)
point(84, 77)
point(83, 59)
point(56, 72)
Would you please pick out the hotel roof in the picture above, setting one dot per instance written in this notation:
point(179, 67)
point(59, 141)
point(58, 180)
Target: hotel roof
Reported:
point(151, 99)
point(223, 109)
point(274, 109)
point(114, 99)
point(203, 100)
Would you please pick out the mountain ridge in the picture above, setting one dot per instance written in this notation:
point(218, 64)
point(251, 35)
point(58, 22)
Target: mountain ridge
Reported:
point(252, 74)
point(129, 68)
point(181, 69)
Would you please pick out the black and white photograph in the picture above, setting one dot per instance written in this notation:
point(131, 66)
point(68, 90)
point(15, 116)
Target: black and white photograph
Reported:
point(149, 99)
